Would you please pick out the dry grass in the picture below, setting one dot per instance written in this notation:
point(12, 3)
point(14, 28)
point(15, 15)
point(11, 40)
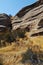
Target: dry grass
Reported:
point(12, 54)
point(24, 43)
point(38, 41)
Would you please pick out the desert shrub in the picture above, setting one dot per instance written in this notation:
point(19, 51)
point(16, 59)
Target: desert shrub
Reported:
point(31, 57)
point(1, 64)
point(27, 55)
point(1, 61)
point(9, 38)
point(19, 33)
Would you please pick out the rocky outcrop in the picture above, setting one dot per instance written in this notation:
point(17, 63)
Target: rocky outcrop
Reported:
point(5, 28)
point(5, 22)
point(30, 17)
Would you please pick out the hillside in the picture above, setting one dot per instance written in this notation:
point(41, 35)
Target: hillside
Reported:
point(21, 36)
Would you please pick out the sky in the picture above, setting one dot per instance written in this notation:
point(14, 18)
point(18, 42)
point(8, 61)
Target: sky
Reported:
point(12, 7)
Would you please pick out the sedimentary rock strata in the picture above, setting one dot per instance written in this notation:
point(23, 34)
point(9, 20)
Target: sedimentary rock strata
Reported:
point(30, 17)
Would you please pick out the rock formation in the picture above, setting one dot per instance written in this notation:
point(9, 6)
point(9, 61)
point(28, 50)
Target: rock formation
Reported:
point(5, 22)
point(30, 17)
point(5, 28)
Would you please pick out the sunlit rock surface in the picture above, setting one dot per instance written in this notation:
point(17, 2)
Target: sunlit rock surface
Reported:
point(30, 17)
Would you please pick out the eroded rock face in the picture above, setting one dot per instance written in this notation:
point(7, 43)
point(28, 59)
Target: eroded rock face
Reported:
point(30, 17)
point(5, 22)
point(5, 28)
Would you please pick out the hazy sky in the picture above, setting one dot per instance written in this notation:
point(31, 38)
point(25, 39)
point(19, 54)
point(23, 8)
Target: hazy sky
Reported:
point(13, 6)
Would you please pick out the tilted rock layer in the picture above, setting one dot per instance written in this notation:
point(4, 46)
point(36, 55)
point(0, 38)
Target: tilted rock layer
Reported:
point(30, 17)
